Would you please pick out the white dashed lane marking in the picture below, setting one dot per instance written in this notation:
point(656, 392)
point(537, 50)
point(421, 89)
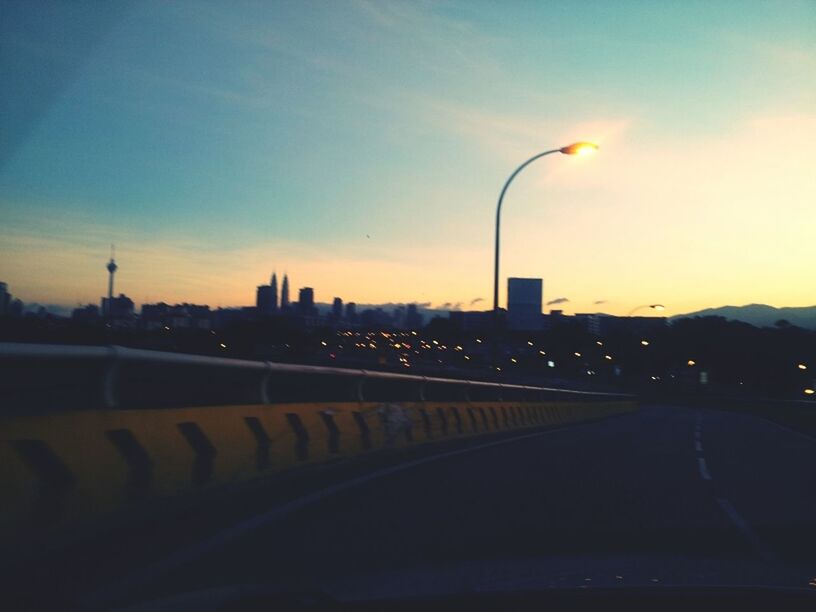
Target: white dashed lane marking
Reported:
point(701, 464)
point(759, 547)
point(744, 528)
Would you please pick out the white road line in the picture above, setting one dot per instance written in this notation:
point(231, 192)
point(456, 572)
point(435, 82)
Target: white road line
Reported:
point(763, 551)
point(698, 446)
point(701, 463)
point(109, 594)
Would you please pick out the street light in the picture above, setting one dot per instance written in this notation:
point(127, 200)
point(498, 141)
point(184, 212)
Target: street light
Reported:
point(652, 306)
point(577, 148)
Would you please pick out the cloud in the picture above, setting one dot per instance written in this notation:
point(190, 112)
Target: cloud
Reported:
point(596, 302)
point(445, 306)
point(560, 300)
point(475, 301)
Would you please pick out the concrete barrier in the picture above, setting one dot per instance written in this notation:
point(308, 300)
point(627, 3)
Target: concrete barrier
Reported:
point(64, 471)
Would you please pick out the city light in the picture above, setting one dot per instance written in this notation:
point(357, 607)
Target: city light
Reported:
point(608, 357)
point(514, 360)
point(802, 366)
point(551, 364)
point(599, 343)
point(691, 362)
point(222, 345)
point(577, 354)
point(644, 342)
point(809, 391)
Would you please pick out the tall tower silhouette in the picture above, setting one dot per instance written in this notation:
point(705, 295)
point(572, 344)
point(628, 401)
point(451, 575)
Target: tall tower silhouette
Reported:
point(274, 296)
point(285, 292)
point(112, 267)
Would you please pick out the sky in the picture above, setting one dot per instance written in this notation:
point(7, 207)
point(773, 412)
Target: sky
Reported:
point(360, 147)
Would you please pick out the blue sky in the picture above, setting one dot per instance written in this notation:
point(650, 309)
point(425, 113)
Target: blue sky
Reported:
point(360, 146)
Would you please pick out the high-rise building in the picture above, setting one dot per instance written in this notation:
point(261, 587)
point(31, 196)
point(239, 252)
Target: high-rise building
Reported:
point(266, 297)
point(273, 285)
point(524, 303)
point(351, 312)
point(5, 298)
point(89, 312)
point(120, 308)
point(306, 304)
point(337, 309)
point(264, 300)
point(284, 303)
point(413, 320)
point(112, 267)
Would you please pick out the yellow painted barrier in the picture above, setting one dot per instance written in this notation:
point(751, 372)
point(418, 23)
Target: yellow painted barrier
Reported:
point(63, 471)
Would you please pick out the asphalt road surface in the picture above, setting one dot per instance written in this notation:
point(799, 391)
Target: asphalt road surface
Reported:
point(667, 495)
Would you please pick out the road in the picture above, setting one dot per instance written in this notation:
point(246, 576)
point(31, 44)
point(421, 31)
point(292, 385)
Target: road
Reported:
point(667, 495)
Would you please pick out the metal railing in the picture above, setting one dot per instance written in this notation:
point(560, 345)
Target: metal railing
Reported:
point(35, 377)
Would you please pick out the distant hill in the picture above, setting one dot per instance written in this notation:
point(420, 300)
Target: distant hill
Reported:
point(760, 315)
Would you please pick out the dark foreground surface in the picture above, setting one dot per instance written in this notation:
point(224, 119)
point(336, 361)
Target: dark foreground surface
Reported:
point(667, 497)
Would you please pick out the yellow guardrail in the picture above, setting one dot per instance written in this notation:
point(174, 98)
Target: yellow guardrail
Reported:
point(62, 471)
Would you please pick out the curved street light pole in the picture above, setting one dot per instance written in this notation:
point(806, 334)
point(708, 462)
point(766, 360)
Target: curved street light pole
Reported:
point(498, 225)
point(577, 148)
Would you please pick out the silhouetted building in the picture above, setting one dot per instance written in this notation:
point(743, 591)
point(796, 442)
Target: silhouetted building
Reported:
point(284, 303)
point(413, 320)
point(337, 309)
point(273, 285)
point(263, 300)
point(5, 299)
point(398, 316)
point(524, 303)
point(86, 313)
point(471, 320)
point(112, 267)
point(178, 316)
point(590, 322)
point(375, 318)
point(120, 308)
point(306, 305)
point(351, 312)
point(266, 297)
point(16, 308)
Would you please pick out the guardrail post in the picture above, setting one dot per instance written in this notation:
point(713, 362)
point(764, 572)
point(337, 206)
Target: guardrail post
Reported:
point(109, 378)
point(422, 389)
point(360, 396)
point(465, 393)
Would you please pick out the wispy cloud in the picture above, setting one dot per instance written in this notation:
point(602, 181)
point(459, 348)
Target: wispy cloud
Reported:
point(475, 301)
point(561, 300)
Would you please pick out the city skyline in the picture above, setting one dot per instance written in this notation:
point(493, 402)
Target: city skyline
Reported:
point(352, 156)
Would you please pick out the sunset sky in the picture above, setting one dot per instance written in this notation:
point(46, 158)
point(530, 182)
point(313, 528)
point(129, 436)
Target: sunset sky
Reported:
point(361, 146)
